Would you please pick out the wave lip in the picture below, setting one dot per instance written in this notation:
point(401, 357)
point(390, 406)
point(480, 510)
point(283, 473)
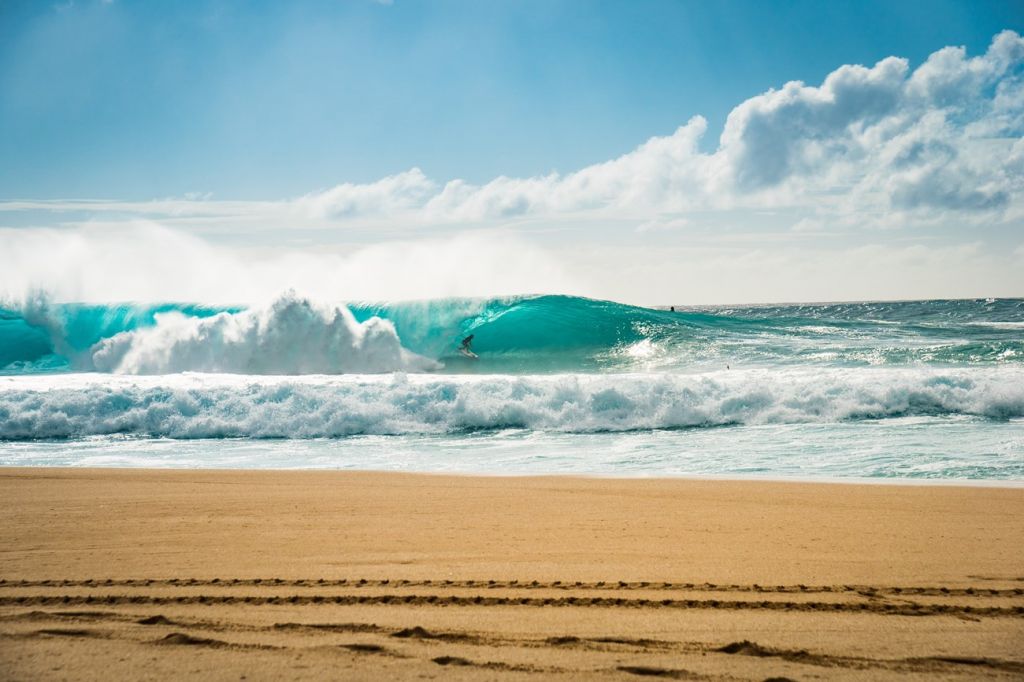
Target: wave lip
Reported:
point(219, 406)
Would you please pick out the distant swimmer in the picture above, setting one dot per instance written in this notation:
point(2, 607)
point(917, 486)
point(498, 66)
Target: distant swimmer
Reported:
point(671, 308)
point(467, 347)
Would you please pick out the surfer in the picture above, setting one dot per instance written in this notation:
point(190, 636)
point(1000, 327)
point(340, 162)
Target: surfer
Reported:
point(467, 347)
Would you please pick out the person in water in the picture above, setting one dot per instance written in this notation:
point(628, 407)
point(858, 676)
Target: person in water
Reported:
point(467, 343)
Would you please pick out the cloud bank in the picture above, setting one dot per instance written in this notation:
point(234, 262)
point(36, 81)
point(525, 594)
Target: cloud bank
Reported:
point(945, 136)
point(919, 169)
point(885, 138)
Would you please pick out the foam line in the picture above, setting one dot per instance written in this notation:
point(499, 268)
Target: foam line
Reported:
point(215, 406)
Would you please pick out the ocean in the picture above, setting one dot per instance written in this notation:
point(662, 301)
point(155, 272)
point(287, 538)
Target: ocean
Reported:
point(928, 390)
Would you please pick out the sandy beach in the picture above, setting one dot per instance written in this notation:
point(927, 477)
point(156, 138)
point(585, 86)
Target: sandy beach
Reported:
point(147, 574)
point(511, 340)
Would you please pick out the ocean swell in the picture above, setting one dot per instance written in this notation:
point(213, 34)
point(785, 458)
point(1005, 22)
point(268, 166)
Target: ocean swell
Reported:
point(216, 406)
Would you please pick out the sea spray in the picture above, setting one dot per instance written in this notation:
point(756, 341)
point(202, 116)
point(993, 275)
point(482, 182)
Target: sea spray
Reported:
point(291, 336)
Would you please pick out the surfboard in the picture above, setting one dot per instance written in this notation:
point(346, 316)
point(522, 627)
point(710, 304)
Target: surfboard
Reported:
point(468, 353)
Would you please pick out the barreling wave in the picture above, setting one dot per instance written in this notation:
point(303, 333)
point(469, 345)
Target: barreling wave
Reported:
point(190, 406)
point(293, 335)
point(515, 335)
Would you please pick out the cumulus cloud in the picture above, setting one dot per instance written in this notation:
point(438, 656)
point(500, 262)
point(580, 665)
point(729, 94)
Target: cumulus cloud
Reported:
point(872, 148)
point(389, 195)
point(883, 135)
point(950, 78)
point(879, 138)
point(795, 130)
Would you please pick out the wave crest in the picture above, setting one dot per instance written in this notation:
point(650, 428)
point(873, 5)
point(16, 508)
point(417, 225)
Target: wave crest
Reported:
point(291, 336)
point(513, 335)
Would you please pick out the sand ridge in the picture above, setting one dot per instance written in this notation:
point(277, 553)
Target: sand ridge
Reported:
point(908, 601)
point(263, 635)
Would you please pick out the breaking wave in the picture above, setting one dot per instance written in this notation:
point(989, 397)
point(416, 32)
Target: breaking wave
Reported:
point(217, 406)
point(515, 335)
point(293, 335)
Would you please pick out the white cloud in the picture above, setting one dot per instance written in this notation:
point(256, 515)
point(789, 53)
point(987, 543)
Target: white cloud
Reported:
point(950, 78)
point(868, 139)
point(883, 137)
point(796, 130)
point(663, 224)
point(390, 195)
point(932, 152)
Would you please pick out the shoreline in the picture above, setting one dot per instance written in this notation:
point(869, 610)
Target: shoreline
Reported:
point(1012, 484)
point(158, 573)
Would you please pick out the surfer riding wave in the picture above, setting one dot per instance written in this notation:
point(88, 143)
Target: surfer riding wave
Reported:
point(467, 347)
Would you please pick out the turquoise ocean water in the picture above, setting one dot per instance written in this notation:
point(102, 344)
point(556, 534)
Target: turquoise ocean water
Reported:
point(919, 389)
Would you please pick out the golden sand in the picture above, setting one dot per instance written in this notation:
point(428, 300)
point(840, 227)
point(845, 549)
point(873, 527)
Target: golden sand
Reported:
point(139, 574)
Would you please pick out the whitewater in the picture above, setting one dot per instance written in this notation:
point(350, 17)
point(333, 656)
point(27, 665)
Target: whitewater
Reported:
point(895, 390)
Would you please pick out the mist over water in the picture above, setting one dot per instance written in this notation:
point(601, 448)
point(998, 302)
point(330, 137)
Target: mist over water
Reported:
point(933, 388)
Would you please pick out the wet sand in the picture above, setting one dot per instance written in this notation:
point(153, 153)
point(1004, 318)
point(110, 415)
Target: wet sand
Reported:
point(145, 574)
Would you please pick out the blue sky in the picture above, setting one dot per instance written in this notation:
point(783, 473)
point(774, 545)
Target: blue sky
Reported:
point(136, 100)
point(649, 151)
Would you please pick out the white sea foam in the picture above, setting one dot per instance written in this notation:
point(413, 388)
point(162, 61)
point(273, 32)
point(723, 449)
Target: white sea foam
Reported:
point(291, 336)
point(997, 325)
point(212, 406)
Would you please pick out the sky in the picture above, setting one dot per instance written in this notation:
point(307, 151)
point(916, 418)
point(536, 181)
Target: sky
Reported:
point(653, 152)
